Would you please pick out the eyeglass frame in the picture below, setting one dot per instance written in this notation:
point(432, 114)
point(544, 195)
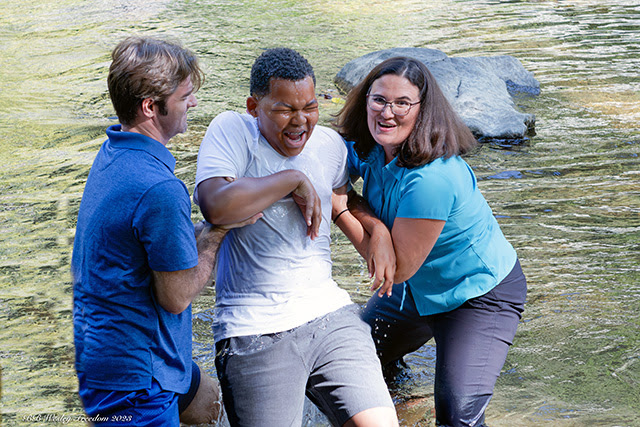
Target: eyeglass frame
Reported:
point(390, 104)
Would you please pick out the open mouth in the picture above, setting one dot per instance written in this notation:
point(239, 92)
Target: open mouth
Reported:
point(386, 125)
point(295, 137)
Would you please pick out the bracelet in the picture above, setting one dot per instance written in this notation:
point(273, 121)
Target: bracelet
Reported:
point(338, 216)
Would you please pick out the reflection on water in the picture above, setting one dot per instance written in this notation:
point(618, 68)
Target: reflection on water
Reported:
point(568, 199)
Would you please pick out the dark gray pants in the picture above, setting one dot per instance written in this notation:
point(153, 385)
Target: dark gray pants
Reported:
point(471, 343)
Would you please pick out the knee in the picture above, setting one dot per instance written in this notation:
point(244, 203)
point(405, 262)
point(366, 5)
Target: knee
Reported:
point(206, 405)
point(374, 417)
point(461, 411)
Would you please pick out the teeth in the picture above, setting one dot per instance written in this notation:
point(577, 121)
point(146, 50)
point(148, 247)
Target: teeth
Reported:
point(294, 135)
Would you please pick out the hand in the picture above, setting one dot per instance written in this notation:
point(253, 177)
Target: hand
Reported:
point(203, 225)
point(381, 260)
point(308, 201)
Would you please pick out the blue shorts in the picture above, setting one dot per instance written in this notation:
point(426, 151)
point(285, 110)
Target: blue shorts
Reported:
point(331, 360)
point(147, 407)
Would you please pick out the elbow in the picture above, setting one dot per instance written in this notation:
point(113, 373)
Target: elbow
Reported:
point(402, 274)
point(399, 278)
point(175, 307)
point(172, 303)
point(215, 214)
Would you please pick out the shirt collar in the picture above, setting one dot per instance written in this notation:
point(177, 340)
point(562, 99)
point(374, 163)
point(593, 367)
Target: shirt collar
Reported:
point(136, 141)
point(376, 159)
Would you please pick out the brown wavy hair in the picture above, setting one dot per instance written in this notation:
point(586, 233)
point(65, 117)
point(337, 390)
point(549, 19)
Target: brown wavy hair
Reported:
point(148, 68)
point(438, 132)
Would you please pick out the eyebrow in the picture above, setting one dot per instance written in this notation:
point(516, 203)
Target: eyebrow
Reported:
point(400, 97)
point(282, 104)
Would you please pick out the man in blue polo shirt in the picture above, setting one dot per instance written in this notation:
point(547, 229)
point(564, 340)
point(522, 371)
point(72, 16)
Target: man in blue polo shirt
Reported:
point(137, 260)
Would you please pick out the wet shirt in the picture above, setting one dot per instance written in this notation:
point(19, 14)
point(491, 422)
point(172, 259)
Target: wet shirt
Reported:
point(271, 276)
point(471, 255)
point(135, 217)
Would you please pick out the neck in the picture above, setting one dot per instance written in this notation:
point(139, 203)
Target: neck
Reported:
point(146, 128)
point(389, 155)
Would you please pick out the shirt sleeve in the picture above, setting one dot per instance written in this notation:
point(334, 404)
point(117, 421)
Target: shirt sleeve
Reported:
point(340, 151)
point(224, 149)
point(162, 222)
point(426, 195)
point(353, 162)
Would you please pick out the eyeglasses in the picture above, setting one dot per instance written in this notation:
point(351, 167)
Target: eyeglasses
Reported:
point(399, 108)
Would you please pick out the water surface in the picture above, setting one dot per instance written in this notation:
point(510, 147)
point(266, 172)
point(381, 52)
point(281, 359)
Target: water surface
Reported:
point(568, 199)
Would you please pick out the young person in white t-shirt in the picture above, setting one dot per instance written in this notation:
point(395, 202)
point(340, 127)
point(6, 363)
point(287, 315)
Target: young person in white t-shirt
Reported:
point(283, 327)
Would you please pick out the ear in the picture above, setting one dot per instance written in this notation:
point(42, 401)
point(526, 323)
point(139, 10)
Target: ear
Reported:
point(148, 107)
point(252, 106)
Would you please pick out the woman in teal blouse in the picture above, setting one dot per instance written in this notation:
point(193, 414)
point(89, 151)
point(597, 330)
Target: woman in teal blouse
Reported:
point(457, 278)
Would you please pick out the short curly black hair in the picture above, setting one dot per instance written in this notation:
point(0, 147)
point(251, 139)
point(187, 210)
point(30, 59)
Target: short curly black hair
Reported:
point(278, 63)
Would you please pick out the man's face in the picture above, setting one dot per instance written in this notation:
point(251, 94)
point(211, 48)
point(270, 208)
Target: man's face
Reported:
point(172, 119)
point(287, 115)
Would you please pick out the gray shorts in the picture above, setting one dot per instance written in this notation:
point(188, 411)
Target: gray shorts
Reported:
point(331, 360)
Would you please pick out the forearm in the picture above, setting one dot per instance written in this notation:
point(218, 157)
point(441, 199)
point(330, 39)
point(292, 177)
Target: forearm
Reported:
point(176, 290)
point(413, 241)
point(369, 236)
point(355, 232)
point(208, 243)
point(229, 202)
point(359, 208)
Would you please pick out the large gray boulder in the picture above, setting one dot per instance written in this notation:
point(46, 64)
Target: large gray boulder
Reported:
point(480, 89)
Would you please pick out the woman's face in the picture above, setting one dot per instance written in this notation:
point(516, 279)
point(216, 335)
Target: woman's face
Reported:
point(388, 128)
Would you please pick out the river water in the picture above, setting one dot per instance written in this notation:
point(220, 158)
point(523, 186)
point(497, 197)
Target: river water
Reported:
point(568, 199)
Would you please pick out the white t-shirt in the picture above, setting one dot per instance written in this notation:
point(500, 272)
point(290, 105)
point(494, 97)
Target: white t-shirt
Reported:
point(270, 276)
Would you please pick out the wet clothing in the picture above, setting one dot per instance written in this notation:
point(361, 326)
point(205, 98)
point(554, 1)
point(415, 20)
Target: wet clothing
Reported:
point(342, 380)
point(135, 217)
point(471, 343)
point(271, 276)
point(469, 293)
point(150, 407)
point(471, 256)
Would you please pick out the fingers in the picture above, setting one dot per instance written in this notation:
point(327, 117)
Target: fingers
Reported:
point(199, 227)
point(382, 277)
point(310, 206)
point(386, 288)
point(315, 220)
point(252, 220)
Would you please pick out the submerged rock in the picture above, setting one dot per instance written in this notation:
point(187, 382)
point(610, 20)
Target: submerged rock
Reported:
point(480, 89)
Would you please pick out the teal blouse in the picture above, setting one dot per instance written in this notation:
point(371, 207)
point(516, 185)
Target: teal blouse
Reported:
point(471, 255)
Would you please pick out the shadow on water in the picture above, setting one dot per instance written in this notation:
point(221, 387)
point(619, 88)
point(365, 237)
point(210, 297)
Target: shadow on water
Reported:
point(567, 197)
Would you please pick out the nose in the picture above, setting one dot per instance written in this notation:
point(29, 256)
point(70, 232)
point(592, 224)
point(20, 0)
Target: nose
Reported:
point(299, 117)
point(386, 111)
point(193, 101)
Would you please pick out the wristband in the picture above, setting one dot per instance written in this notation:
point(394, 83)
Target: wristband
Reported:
point(338, 216)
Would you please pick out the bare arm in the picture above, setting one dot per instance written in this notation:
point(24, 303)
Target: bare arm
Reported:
point(349, 225)
point(369, 236)
point(225, 202)
point(175, 290)
point(413, 240)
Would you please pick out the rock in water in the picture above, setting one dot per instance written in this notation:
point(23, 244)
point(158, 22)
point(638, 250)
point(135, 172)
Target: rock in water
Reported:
point(480, 89)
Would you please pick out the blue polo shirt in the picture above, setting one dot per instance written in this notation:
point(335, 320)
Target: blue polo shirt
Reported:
point(135, 217)
point(471, 255)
